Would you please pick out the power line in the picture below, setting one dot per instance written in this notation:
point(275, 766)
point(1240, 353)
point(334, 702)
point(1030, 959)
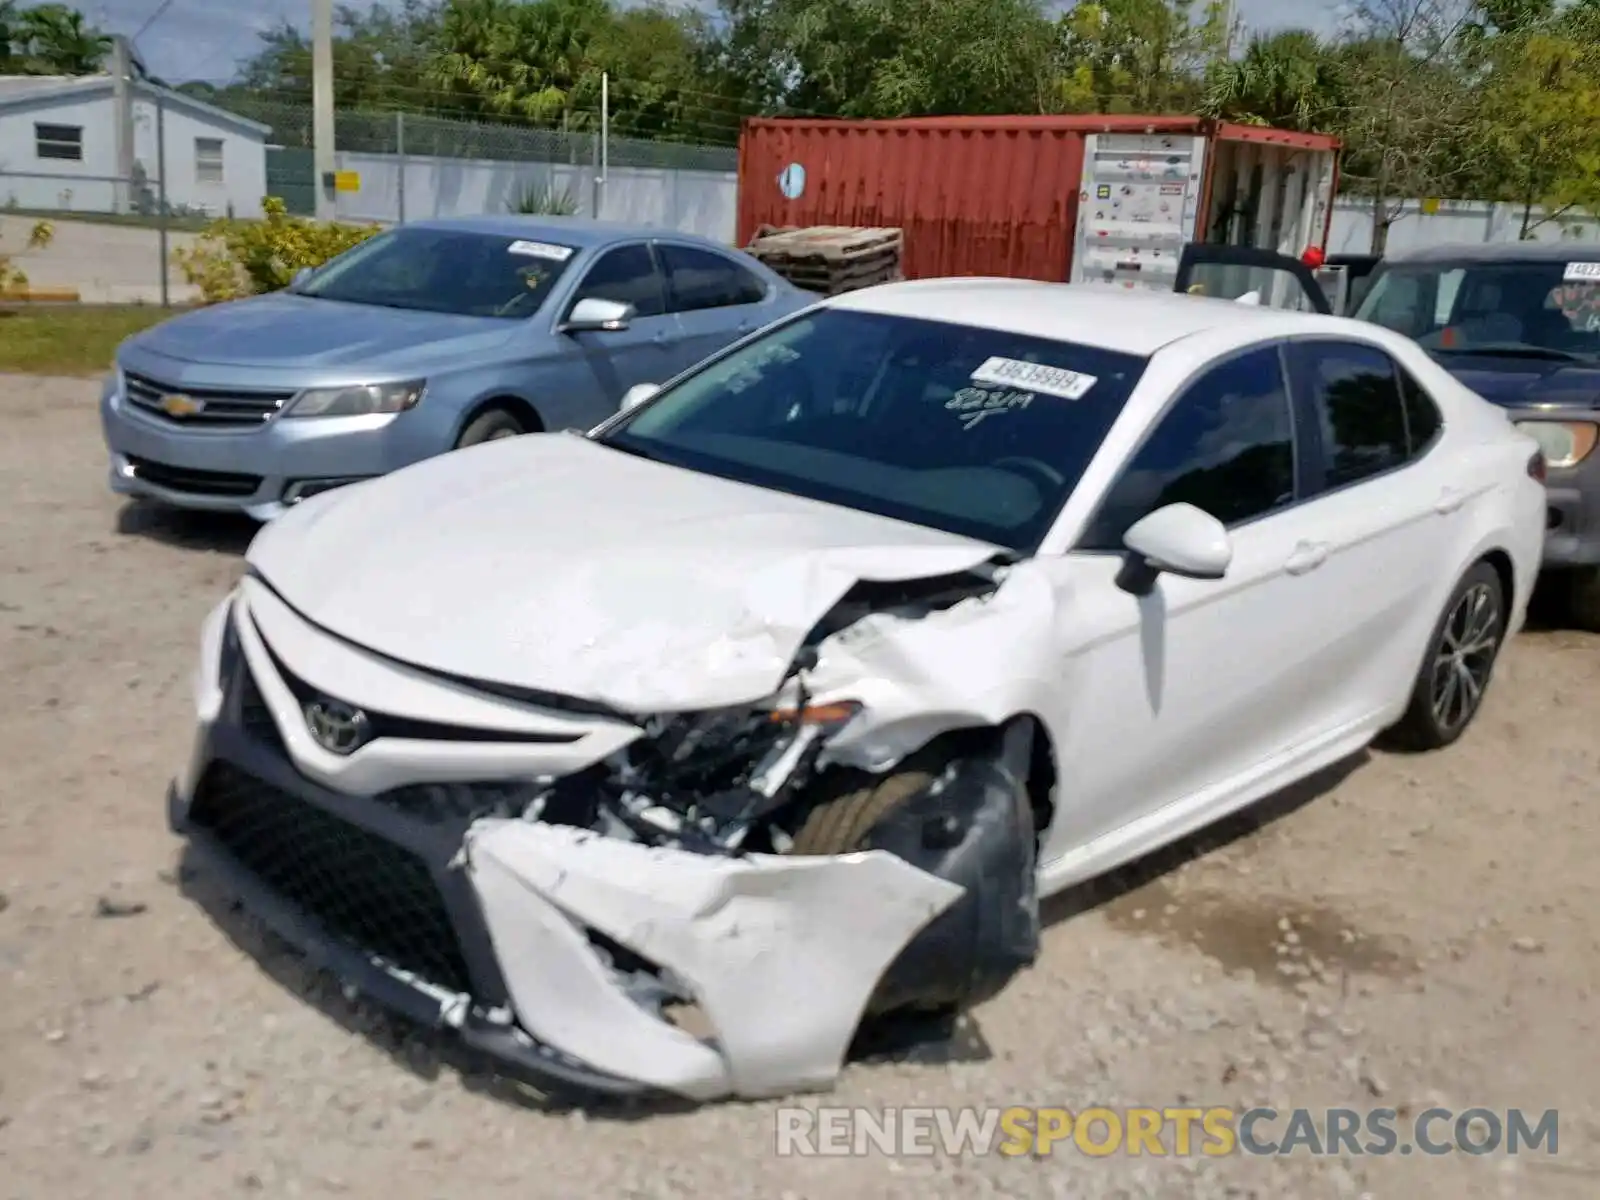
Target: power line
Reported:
point(150, 20)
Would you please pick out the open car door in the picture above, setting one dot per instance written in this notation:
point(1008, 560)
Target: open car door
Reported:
point(1250, 275)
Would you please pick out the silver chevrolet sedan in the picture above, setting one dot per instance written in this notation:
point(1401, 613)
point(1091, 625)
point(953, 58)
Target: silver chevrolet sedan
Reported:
point(430, 336)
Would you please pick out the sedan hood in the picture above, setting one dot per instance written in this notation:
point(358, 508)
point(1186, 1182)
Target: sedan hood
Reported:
point(1522, 382)
point(555, 564)
point(286, 330)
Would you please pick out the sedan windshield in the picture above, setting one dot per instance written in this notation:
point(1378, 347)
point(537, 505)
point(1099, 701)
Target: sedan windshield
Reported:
point(1513, 309)
point(977, 432)
point(454, 271)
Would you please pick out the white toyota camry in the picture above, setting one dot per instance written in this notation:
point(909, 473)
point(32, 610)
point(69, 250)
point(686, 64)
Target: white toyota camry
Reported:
point(784, 695)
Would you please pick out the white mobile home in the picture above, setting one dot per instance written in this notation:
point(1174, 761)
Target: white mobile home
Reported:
point(58, 149)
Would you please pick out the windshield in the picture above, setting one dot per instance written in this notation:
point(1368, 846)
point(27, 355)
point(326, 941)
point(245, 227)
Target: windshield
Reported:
point(977, 432)
point(1532, 309)
point(452, 271)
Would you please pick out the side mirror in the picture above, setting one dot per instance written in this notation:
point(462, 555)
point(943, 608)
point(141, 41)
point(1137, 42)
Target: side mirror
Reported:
point(1178, 539)
point(300, 278)
point(597, 315)
point(637, 395)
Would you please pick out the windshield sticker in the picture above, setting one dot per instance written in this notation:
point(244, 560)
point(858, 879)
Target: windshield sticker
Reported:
point(541, 250)
point(1053, 381)
point(972, 404)
point(1582, 272)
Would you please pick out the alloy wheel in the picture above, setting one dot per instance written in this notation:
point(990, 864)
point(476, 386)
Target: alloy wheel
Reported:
point(1465, 657)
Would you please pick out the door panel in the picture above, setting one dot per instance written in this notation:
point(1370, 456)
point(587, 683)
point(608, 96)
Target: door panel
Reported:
point(1199, 682)
point(1189, 688)
point(715, 300)
point(1233, 272)
point(603, 365)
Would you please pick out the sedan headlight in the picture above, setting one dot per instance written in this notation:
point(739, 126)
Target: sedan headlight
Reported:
point(1565, 443)
point(359, 401)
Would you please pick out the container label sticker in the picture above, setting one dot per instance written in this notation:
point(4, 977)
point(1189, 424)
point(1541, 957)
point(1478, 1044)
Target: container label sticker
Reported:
point(1582, 272)
point(1037, 377)
point(1103, 192)
point(541, 250)
point(973, 404)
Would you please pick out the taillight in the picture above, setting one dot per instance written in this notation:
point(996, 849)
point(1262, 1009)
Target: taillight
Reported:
point(1536, 466)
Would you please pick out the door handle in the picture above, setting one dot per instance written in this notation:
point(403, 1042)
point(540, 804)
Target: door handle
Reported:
point(1449, 500)
point(1307, 556)
point(659, 339)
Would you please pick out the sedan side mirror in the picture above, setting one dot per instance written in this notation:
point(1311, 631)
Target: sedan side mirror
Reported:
point(300, 278)
point(593, 314)
point(637, 395)
point(1178, 539)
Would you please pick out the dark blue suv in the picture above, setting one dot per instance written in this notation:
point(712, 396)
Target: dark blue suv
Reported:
point(1519, 323)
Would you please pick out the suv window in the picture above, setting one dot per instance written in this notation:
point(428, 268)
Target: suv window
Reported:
point(628, 275)
point(1226, 446)
point(699, 279)
point(1356, 395)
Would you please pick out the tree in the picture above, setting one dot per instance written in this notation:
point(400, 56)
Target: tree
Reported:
point(1287, 79)
point(886, 58)
point(50, 39)
point(1144, 56)
point(1541, 112)
point(1405, 110)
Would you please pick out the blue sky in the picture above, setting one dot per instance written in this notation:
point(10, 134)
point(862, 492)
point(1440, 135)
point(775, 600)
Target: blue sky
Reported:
point(204, 39)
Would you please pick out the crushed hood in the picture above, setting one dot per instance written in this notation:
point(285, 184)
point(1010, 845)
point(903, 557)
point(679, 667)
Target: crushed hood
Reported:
point(552, 563)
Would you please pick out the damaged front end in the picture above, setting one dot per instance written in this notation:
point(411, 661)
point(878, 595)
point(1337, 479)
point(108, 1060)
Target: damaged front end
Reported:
point(704, 904)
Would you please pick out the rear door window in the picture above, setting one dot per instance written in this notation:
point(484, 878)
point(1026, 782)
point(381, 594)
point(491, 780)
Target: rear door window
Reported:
point(1361, 415)
point(699, 279)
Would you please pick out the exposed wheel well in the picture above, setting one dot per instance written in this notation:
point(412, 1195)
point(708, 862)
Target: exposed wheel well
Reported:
point(1501, 562)
point(527, 416)
point(1042, 770)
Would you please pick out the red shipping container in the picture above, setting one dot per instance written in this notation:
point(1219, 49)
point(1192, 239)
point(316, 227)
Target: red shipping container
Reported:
point(975, 195)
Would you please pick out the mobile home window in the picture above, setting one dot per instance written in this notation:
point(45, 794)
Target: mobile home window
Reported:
point(208, 160)
point(58, 141)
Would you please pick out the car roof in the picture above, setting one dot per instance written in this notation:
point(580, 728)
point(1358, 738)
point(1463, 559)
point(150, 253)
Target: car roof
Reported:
point(581, 232)
point(1128, 320)
point(1500, 252)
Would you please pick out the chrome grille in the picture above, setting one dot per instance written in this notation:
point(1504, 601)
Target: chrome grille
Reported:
point(218, 406)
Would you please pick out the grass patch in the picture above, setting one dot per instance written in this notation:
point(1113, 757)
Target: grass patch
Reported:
point(71, 339)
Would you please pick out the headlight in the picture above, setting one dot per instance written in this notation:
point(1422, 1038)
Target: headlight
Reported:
point(1565, 443)
point(358, 401)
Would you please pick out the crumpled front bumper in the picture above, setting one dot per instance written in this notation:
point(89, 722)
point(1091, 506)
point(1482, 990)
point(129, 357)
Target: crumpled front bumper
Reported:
point(492, 928)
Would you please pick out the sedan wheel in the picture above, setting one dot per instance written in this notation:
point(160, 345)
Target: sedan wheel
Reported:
point(1450, 687)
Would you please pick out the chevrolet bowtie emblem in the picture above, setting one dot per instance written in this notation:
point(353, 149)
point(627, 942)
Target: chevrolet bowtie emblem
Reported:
point(175, 404)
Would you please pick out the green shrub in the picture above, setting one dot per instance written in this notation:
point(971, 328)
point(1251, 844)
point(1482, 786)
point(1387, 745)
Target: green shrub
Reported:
point(235, 258)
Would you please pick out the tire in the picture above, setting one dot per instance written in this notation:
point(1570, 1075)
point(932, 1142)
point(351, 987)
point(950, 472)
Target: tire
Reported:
point(1441, 708)
point(842, 821)
point(490, 426)
point(1583, 599)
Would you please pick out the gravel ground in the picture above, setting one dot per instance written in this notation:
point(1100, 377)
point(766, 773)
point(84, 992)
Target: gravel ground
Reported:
point(1442, 910)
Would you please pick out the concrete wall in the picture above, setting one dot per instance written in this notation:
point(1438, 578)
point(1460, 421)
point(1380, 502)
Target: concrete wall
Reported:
point(701, 202)
point(1461, 221)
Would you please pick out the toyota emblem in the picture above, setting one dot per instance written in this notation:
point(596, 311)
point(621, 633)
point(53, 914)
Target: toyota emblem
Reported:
point(337, 727)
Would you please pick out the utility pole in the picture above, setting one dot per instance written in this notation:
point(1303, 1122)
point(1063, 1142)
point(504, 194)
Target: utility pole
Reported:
point(322, 106)
point(122, 110)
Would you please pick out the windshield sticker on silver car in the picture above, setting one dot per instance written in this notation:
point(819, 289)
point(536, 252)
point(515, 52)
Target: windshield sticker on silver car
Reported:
point(1582, 272)
point(972, 404)
point(1053, 381)
point(541, 250)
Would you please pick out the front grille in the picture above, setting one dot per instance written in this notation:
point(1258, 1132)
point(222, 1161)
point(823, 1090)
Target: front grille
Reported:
point(359, 887)
point(254, 714)
point(218, 407)
point(193, 481)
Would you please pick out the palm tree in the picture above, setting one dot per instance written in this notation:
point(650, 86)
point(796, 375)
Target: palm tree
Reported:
point(1284, 79)
point(56, 40)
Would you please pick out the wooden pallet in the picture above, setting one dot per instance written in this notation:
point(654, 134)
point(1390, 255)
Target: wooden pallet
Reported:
point(823, 243)
point(805, 274)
